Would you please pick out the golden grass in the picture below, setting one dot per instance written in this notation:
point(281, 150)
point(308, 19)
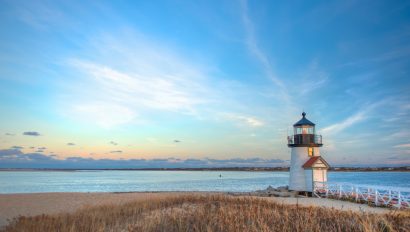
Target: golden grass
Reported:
point(211, 213)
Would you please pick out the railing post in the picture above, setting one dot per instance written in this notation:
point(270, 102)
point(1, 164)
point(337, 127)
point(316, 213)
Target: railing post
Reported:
point(314, 187)
point(376, 197)
point(368, 194)
point(340, 191)
point(356, 193)
point(399, 200)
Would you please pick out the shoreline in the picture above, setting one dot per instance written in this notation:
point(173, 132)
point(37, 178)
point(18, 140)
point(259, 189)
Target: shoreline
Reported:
point(32, 204)
point(244, 169)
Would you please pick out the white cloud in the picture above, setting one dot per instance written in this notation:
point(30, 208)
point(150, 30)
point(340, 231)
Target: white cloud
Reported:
point(154, 91)
point(353, 119)
point(400, 134)
point(244, 120)
point(340, 126)
point(102, 114)
point(255, 49)
point(312, 78)
point(128, 75)
point(403, 145)
point(253, 121)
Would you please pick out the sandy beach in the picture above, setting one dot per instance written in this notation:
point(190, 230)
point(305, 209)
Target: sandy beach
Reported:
point(13, 205)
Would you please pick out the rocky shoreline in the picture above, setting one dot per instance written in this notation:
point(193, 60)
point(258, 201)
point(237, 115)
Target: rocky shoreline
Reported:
point(282, 191)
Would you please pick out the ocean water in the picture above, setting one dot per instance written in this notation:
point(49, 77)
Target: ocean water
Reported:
point(126, 181)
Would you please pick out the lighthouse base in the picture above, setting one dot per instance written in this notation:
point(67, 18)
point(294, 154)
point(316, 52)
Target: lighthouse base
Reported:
point(297, 179)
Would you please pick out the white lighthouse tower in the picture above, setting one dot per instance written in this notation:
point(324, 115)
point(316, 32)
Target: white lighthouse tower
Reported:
point(306, 165)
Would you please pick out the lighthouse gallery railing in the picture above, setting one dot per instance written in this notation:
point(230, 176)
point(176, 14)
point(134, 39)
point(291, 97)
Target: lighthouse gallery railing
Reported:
point(375, 195)
point(304, 139)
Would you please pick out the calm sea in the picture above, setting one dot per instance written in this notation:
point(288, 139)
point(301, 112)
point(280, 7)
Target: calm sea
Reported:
point(125, 181)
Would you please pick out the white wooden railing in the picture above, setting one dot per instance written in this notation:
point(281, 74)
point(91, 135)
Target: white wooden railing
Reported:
point(375, 195)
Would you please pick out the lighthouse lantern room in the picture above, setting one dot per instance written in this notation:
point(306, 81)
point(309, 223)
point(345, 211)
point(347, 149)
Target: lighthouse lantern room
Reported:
point(306, 165)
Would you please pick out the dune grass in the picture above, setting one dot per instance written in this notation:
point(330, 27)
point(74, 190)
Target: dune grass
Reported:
point(211, 213)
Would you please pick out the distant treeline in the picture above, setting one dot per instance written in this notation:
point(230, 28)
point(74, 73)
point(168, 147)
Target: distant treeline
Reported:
point(254, 169)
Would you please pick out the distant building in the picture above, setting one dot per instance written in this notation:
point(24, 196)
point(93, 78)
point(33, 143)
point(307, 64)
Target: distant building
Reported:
point(306, 165)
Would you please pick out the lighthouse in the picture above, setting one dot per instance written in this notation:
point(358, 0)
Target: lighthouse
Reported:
point(306, 165)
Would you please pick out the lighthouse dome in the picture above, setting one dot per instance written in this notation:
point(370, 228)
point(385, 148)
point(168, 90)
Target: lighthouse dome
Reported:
point(304, 134)
point(304, 121)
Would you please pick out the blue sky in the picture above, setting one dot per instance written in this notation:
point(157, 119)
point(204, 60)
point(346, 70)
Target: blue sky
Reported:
point(203, 80)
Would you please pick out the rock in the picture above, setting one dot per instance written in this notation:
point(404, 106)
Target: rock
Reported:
point(270, 188)
point(285, 194)
point(283, 189)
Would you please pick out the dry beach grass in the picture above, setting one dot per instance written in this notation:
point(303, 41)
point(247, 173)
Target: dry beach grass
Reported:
point(211, 212)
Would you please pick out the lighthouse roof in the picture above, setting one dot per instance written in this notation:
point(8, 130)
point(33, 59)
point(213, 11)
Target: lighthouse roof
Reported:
point(314, 161)
point(304, 121)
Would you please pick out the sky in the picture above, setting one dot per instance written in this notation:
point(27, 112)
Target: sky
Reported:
point(202, 83)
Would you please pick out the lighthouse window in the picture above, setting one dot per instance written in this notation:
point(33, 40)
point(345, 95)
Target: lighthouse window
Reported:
point(310, 151)
point(304, 130)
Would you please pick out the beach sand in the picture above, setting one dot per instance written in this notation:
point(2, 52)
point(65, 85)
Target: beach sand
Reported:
point(13, 205)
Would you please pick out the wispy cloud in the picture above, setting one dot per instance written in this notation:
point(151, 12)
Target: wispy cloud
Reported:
point(398, 159)
point(244, 119)
point(254, 47)
point(353, 119)
point(150, 90)
point(395, 54)
point(312, 78)
point(398, 135)
point(102, 114)
point(407, 145)
point(149, 77)
point(348, 122)
point(31, 133)
point(116, 151)
point(70, 144)
point(17, 147)
point(40, 15)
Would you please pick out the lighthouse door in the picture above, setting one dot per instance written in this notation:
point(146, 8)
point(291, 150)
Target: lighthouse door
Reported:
point(319, 175)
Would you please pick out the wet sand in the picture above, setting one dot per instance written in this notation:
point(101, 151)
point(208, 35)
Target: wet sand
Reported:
point(31, 204)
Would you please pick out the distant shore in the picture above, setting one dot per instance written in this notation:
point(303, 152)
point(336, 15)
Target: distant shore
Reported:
point(248, 169)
